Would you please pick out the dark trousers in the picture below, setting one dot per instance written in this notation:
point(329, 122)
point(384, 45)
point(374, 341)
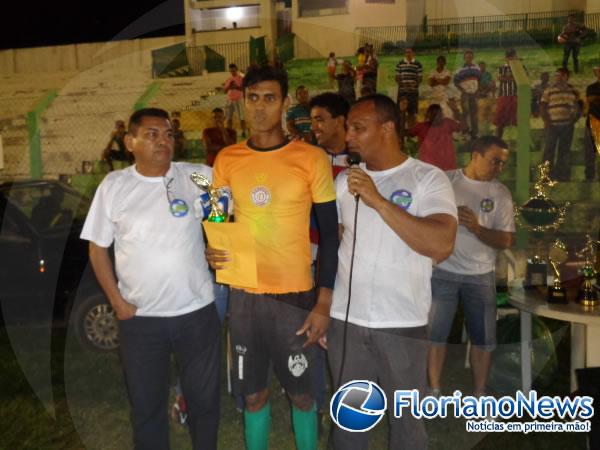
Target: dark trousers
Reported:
point(146, 347)
point(468, 103)
point(394, 358)
point(560, 136)
point(590, 154)
point(574, 49)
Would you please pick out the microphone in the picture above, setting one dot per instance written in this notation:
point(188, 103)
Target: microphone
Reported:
point(353, 159)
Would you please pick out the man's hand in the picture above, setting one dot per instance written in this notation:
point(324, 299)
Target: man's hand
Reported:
point(359, 183)
point(216, 258)
point(124, 310)
point(468, 219)
point(315, 326)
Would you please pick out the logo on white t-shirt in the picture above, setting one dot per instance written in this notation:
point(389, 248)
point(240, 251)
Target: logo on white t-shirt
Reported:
point(260, 196)
point(402, 198)
point(297, 364)
point(487, 205)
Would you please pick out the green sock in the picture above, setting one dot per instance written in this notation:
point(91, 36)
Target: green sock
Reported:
point(305, 428)
point(258, 425)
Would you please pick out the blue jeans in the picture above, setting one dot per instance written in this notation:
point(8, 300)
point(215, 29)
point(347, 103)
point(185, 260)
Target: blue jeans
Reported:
point(478, 296)
point(147, 344)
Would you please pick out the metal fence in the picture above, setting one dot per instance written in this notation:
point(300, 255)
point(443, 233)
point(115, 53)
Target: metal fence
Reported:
point(479, 31)
point(216, 57)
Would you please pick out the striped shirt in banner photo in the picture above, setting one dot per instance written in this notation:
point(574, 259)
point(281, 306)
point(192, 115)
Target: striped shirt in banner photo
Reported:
point(410, 74)
point(562, 103)
point(506, 88)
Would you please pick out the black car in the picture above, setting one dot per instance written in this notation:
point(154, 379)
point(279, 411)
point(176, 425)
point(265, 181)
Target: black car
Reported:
point(44, 268)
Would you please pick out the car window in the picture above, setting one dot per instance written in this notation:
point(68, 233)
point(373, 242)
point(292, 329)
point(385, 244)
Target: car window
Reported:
point(49, 206)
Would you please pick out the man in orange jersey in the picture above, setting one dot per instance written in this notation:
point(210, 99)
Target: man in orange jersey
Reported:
point(275, 183)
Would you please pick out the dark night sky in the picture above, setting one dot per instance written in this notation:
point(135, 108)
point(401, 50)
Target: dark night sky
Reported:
point(41, 22)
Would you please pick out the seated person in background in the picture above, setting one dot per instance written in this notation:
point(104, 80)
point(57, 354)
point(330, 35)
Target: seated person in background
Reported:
point(435, 138)
point(217, 137)
point(179, 141)
point(115, 149)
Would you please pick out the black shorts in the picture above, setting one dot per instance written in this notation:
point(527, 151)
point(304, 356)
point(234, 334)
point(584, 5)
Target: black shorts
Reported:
point(263, 334)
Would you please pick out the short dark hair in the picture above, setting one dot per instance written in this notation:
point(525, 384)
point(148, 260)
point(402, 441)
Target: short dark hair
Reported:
point(564, 71)
point(511, 53)
point(259, 74)
point(218, 110)
point(335, 104)
point(232, 66)
point(386, 109)
point(299, 87)
point(135, 119)
point(468, 51)
point(482, 144)
point(442, 57)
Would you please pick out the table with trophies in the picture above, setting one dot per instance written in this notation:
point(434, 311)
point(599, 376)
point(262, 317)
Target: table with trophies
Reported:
point(542, 292)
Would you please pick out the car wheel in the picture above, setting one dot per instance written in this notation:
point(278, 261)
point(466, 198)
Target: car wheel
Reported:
point(95, 324)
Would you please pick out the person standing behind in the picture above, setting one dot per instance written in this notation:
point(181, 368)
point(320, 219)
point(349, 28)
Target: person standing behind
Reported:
point(331, 66)
point(371, 68)
point(406, 220)
point(162, 293)
point(346, 82)
point(298, 116)
point(274, 183)
point(486, 219)
point(233, 89)
point(439, 80)
point(409, 74)
point(592, 126)
point(506, 108)
point(436, 145)
point(466, 79)
point(218, 137)
point(571, 37)
point(560, 109)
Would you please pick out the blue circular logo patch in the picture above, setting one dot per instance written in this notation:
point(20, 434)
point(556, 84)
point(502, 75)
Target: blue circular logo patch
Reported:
point(402, 198)
point(358, 406)
point(178, 207)
point(487, 205)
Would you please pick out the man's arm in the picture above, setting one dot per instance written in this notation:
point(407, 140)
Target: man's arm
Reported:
point(431, 236)
point(317, 322)
point(497, 239)
point(103, 268)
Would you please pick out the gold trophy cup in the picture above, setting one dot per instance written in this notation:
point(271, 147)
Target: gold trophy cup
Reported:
point(557, 255)
point(588, 293)
point(216, 211)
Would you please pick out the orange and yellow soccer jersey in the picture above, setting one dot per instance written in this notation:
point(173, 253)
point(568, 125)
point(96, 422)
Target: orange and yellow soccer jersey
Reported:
point(273, 192)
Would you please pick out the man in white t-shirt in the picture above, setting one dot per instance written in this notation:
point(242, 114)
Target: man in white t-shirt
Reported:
point(486, 219)
point(406, 220)
point(162, 293)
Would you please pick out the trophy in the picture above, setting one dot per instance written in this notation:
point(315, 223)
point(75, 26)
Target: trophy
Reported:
point(557, 255)
point(217, 214)
point(587, 295)
point(538, 215)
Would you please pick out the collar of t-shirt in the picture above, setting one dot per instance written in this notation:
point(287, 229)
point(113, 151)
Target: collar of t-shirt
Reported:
point(158, 179)
point(471, 180)
point(406, 164)
point(267, 149)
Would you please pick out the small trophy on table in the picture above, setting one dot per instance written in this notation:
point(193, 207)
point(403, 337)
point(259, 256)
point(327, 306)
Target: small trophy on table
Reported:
point(217, 214)
point(557, 255)
point(539, 215)
point(588, 293)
